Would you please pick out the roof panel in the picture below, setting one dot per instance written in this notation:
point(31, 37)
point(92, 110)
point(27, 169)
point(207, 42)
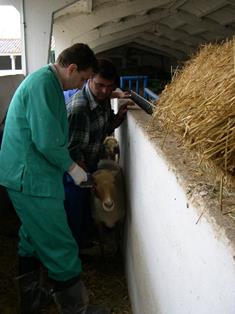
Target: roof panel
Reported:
point(224, 16)
point(173, 22)
point(192, 30)
point(201, 7)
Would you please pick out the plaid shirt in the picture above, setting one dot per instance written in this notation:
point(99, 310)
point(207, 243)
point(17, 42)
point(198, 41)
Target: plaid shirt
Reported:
point(89, 124)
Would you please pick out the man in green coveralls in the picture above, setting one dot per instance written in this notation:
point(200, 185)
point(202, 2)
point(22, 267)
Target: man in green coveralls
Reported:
point(33, 159)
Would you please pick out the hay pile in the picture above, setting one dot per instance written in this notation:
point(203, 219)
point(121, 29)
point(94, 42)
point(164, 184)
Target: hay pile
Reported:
point(199, 107)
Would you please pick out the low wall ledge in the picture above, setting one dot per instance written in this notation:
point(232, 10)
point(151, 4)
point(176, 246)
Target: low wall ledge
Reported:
point(200, 190)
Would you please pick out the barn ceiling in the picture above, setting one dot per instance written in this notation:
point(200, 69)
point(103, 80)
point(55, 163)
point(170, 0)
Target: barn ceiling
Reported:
point(173, 28)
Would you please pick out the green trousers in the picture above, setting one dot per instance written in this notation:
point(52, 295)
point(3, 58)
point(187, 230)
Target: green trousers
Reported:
point(45, 234)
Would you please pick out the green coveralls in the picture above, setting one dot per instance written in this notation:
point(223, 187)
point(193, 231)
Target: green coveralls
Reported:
point(33, 158)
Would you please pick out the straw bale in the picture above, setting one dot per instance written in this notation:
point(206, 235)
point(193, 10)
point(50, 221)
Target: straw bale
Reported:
point(198, 106)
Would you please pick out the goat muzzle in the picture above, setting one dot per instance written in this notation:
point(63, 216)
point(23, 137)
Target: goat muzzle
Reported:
point(108, 205)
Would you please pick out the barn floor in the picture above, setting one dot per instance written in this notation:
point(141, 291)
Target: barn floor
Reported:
point(105, 280)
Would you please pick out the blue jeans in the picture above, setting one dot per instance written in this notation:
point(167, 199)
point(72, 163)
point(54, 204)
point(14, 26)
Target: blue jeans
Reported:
point(77, 207)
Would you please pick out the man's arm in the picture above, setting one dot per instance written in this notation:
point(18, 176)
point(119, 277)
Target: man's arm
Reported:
point(47, 127)
point(78, 137)
point(82, 164)
point(117, 119)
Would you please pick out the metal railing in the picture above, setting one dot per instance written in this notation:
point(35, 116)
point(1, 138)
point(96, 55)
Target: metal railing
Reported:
point(150, 94)
point(135, 83)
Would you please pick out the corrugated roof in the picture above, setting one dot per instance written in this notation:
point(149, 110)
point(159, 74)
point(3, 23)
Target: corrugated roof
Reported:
point(14, 45)
point(9, 46)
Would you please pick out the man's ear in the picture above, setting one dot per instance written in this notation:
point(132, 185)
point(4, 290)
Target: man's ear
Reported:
point(72, 68)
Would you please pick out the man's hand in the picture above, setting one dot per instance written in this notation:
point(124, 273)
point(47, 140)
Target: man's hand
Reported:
point(77, 173)
point(124, 108)
point(82, 164)
point(122, 111)
point(118, 93)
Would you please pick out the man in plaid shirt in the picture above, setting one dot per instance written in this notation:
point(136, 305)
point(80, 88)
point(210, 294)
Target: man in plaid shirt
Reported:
point(91, 119)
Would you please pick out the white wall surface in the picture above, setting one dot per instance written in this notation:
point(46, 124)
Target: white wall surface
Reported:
point(174, 264)
point(36, 24)
point(38, 20)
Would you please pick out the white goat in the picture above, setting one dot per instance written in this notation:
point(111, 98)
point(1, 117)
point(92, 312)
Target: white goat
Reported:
point(108, 200)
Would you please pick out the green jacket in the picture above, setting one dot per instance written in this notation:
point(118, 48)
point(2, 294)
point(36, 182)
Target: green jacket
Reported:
point(34, 152)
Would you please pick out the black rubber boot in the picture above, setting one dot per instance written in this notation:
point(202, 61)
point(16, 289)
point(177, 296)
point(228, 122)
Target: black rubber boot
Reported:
point(31, 296)
point(74, 300)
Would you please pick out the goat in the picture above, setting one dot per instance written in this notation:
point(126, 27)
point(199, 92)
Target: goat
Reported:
point(111, 149)
point(108, 200)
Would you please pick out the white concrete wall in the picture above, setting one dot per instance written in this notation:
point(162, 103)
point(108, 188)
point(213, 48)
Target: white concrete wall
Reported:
point(36, 29)
point(174, 265)
point(38, 18)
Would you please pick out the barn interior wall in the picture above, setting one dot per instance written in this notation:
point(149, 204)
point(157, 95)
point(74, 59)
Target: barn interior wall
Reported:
point(133, 61)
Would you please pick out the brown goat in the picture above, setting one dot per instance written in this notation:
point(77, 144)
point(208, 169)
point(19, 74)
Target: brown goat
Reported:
point(108, 200)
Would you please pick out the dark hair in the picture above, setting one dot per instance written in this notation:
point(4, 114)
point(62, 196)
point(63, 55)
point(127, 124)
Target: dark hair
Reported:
point(79, 54)
point(107, 70)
